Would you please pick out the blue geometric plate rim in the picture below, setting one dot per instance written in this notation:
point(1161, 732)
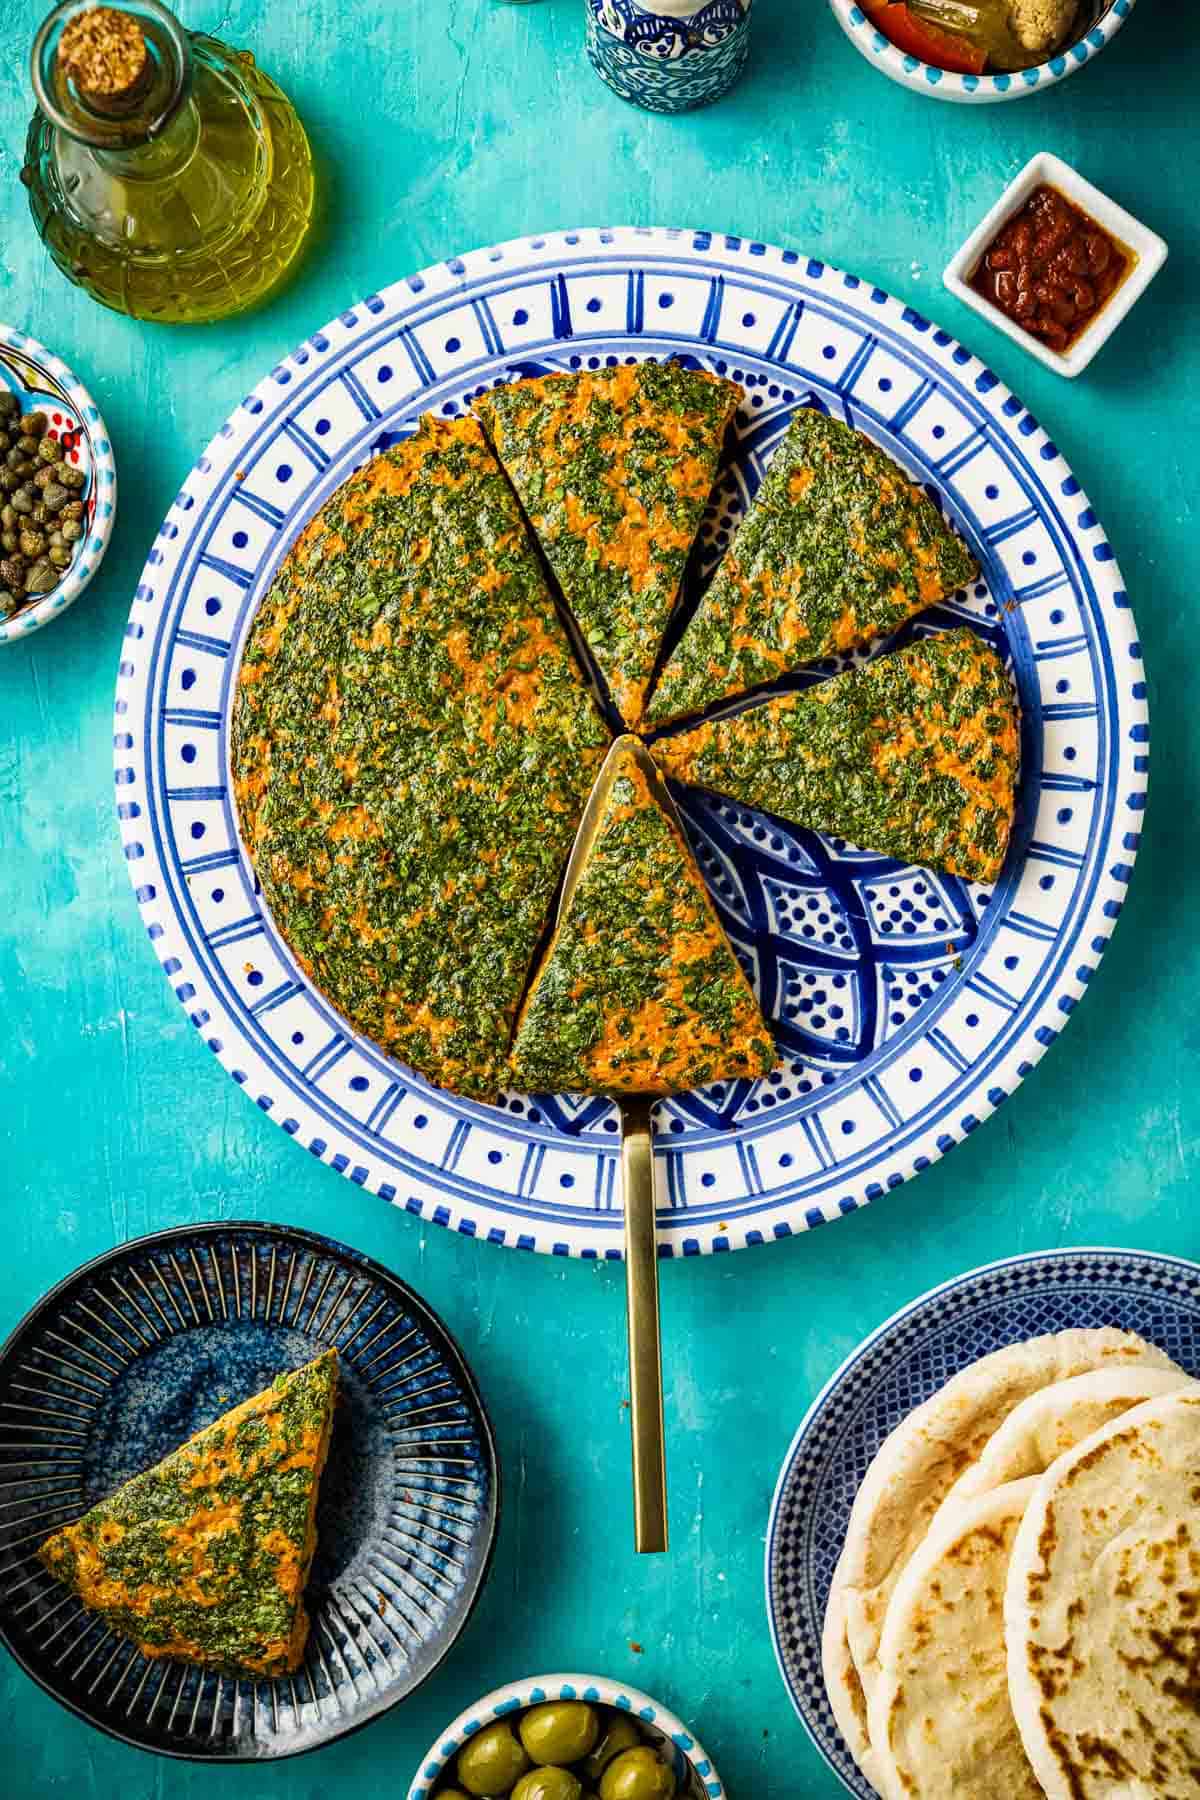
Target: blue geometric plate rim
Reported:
point(319, 1244)
point(755, 1163)
point(974, 1289)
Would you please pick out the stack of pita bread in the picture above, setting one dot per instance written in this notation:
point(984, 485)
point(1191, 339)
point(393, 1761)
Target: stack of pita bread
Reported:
point(1016, 1612)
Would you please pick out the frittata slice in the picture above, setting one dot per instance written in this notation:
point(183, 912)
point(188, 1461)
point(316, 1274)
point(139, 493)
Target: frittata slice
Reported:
point(838, 549)
point(205, 1557)
point(413, 746)
point(914, 756)
point(614, 468)
point(640, 991)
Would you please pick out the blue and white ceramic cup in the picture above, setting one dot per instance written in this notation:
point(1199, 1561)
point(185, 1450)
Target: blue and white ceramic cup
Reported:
point(668, 55)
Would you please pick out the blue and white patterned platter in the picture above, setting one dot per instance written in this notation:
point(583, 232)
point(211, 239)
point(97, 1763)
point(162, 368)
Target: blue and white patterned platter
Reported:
point(129, 1356)
point(907, 1006)
point(897, 1368)
point(695, 1776)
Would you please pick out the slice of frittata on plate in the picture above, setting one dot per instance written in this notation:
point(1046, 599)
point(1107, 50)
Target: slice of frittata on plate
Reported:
point(914, 756)
point(205, 1557)
point(614, 468)
point(838, 549)
point(640, 991)
point(413, 745)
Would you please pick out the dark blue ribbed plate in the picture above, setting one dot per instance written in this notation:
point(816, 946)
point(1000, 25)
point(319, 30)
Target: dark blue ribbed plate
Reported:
point(126, 1358)
point(898, 1367)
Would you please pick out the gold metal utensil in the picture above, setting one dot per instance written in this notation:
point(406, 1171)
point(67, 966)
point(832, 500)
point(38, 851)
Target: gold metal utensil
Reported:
point(637, 1183)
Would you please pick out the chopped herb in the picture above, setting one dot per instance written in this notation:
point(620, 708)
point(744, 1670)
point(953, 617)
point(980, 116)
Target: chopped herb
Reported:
point(413, 746)
point(205, 1557)
point(838, 549)
point(913, 756)
point(640, 992)
point(614, 469)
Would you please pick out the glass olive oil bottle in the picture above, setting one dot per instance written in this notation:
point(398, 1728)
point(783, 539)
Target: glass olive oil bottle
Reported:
point(167, 174)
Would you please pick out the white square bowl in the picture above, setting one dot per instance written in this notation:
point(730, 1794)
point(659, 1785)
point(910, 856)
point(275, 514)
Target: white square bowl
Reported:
point(1149, 250)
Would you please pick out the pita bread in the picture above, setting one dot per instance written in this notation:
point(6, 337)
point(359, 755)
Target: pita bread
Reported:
point(911, 1476)
point(1102, 1612)
point(1048, 1424)
point(940, 1723)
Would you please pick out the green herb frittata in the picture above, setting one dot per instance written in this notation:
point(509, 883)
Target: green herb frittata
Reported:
point(614, 468)
point(640, 991)
point(413, 746)
point(205, 1557)
point(838, 549)
point(913, 756)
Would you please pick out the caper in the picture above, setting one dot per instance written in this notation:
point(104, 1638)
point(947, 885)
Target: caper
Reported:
point(53, 493)
point(40, 513)
point(560, 1731)
point(59, 555)
point(15, 459)
point(12, 572)
point(33, 542)
point(5, 440)
point(48, 451)
point(73, 509)
point(41, 578)
point(10, 541)
point(71, 530)
point(491, 1761)
point(8, 515)
point(34, 424)
point(70, 478)
point(8, 401)
point(7, 600)
point(22, 500)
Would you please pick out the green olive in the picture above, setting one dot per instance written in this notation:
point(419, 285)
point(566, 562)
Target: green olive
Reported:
point(491, 1761)
point(560, 1731)
point(620, 1734)
point(548, 1784)
point(637, 1775)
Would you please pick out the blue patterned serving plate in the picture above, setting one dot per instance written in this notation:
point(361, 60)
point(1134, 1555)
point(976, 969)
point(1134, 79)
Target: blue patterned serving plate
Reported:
point(695, 1776)
point(42, 382)
point(907, 1006)
point(1098, 24)
point(142, 1347)
point(900, 1365)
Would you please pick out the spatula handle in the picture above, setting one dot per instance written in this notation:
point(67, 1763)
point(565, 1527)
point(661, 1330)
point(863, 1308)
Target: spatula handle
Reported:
point(645, 1341)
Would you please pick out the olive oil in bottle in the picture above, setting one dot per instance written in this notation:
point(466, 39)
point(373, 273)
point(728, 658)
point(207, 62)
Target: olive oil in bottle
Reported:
point(166, 173)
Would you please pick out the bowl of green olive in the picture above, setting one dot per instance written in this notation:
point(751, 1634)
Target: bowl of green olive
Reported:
point(567, 1737)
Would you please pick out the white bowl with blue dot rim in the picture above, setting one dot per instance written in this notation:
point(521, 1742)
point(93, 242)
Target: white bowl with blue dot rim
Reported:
point(899, 1366)
point(907, 1007)
point(43, 383)
point(1102, 18)
point(694, 1772)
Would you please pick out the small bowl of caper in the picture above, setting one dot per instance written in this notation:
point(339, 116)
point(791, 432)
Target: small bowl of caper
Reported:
point(58, 486)
point(567, 1737)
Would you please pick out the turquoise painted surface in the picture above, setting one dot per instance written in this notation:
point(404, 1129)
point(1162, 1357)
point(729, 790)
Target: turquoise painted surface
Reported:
point(441, 125)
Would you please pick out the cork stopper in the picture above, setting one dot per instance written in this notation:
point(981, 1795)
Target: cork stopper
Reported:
point(103, 51)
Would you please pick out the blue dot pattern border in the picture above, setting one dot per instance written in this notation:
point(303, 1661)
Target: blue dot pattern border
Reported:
point(908, 1007)
point(695, 1775)
point(945, 84)
point(896, 1369)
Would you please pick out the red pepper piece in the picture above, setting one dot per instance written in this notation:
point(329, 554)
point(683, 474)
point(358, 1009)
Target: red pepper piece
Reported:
point(916, 38)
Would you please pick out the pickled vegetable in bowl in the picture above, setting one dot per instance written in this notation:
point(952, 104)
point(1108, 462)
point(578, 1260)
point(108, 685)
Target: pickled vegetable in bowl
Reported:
point(973, 36)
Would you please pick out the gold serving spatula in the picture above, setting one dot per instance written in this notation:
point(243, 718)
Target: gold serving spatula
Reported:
point(637, 1184)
